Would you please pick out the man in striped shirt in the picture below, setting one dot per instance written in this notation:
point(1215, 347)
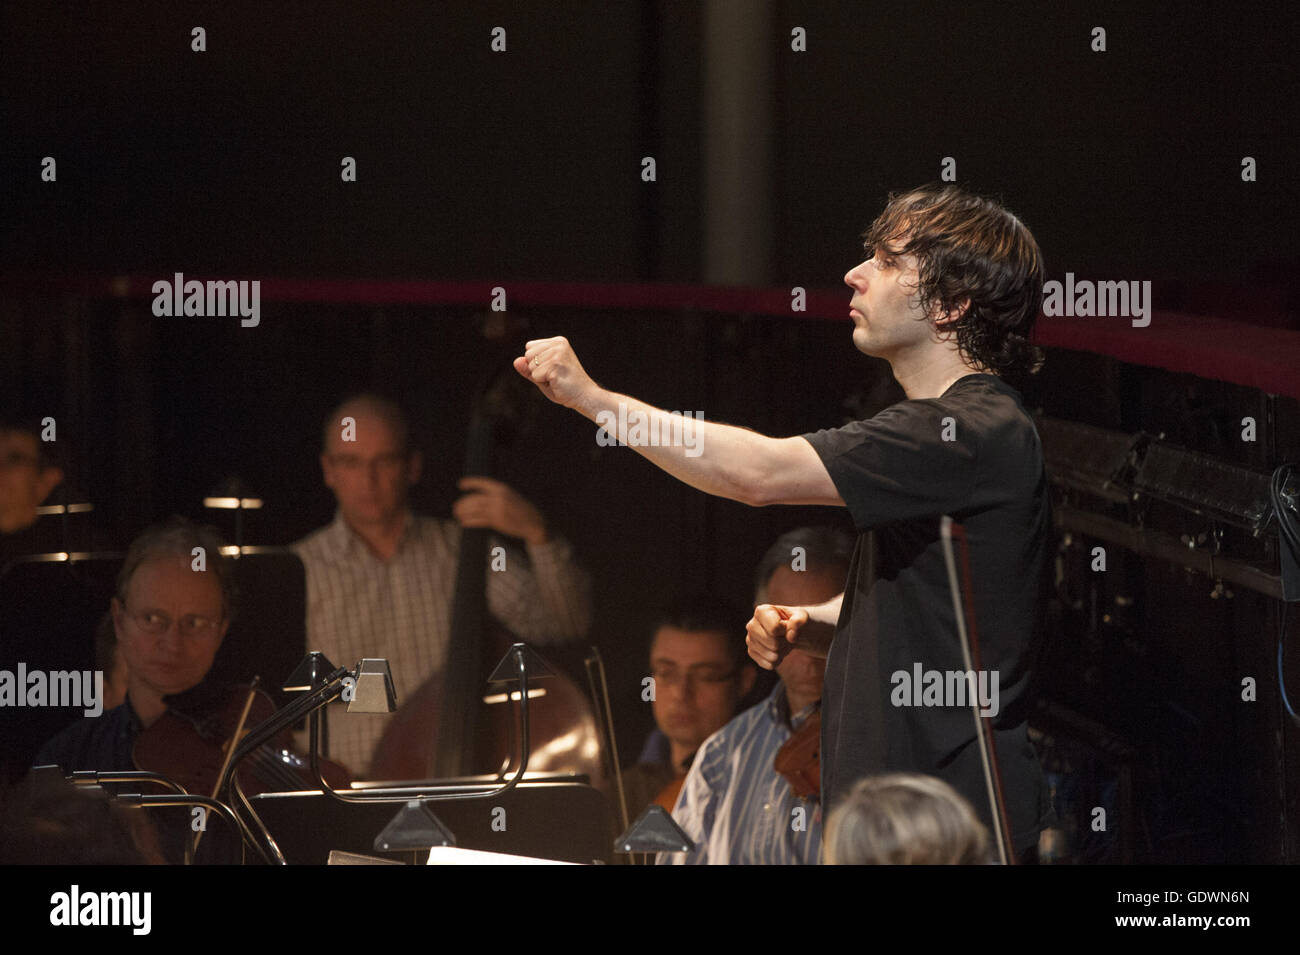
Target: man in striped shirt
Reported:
point(380, 579)
point(734, 806)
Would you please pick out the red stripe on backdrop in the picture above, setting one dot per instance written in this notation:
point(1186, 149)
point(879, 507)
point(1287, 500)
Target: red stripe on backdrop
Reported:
point(1253, 355)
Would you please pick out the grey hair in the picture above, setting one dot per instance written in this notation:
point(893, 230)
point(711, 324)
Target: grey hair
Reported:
point(825, 548)
point(178, 537)
point(905, 819)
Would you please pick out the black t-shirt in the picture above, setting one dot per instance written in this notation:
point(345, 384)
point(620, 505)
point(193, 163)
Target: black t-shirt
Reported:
point(974, 455)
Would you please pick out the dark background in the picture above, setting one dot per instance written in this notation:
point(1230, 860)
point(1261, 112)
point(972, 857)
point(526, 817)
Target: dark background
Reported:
point(525, 166)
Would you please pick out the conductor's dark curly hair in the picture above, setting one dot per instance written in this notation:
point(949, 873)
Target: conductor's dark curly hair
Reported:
point(976, 258)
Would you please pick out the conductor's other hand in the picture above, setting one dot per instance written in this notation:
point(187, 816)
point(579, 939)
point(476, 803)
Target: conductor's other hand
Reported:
point(551, 364)
point(771, 633)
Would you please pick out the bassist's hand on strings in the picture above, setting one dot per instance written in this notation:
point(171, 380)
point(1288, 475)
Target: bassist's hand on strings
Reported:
point(490, 503)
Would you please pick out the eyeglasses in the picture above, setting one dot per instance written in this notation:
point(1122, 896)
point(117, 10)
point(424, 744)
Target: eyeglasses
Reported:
point(191, 625)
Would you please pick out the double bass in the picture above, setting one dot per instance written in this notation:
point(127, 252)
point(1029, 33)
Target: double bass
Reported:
point(454, 725)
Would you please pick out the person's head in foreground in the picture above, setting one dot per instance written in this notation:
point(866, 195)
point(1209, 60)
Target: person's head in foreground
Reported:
point(904, 819)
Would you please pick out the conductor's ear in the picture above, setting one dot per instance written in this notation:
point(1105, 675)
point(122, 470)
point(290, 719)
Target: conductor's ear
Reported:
point(945, 320)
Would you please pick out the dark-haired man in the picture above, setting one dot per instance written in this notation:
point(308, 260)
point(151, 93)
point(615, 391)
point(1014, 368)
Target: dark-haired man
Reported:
point(700, 674)
point(734, 805)
point(948, 293)
point(27, 476)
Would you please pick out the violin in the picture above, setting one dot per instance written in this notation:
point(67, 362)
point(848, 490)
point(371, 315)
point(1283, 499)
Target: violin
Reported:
point(799, 758)
point(191, 742)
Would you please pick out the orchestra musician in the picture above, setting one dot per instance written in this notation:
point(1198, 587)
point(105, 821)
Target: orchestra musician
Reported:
point(28, 475)
point(948, 294)
point(170, 615)
point(701, 674)
point(734, 805)
point(905, 819)
point(380, 579)
point(34, 487)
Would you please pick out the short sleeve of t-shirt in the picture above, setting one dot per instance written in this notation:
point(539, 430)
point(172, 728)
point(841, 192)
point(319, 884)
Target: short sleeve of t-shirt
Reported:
point(913, 460)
